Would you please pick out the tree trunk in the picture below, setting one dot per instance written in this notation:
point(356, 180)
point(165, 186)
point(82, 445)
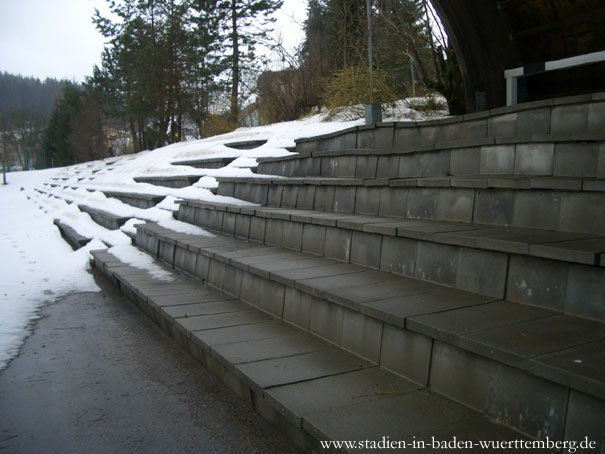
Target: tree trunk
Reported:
point(235, 63)
point(434, 50)
point(134, 137)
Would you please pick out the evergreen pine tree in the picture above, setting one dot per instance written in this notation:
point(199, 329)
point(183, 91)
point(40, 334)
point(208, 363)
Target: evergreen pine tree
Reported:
point(246, 24)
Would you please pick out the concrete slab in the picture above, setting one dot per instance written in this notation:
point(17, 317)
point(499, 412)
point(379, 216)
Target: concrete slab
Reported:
point(539, 210)
point(271, 297)
point(203, 322)
point(533, 121)
point(390, 287)
point(277, 347)
point(474, 430)
point(337, 391)
point(584, 416)
point(365, 249)
point(218, 307)
point(344, 199)
point(327, 219)
point(584, 291)
point(582, 212)
point(398, 255)
point(437, 263)
point(292, 235)
point(482, 272)
point(494, 207)
point(202, 296)
point(151, 289)
point(367, 201)
point(359, 223)
point(406, 353)
point(331, 285)
point(232, 281)
point(426, 229)
point(586, 251)
point(515, 240)
point(451, 324)
point(465, 161)
point(338, 244)
point(576, 159)
point(397, 310)
point(292, 369)
point(252, 261)
point(313, 239)
point(326, 320)
point(263, 330)
point(362, 335)
point(297, 308)
point(581, 367)
point(269, 267)
point(395, 416)
point(514, 344)
point(289, 277)
point(539, 282)
point(505, 394)
point(251, 251)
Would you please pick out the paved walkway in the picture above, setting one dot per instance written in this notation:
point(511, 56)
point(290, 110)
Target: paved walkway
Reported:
point(96, 376)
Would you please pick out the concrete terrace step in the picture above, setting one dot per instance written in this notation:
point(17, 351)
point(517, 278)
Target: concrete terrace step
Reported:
point(565, 204)
point(274, 367)
point(207, 163)
point(176, 181)
point(459, 344)
point(104, 218)
point(246, 145)
point(560, 271)
point(137, 200)
point(73, 238)
point(562, 116)
point(561, 156)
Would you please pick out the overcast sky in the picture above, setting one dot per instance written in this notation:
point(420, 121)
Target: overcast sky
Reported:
point(56, 38)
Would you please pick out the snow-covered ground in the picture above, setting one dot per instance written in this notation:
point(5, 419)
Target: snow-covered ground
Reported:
point(37, 265)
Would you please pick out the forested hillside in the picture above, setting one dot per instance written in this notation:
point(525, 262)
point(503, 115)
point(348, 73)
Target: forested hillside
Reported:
point(27, 94)
point(25, 106)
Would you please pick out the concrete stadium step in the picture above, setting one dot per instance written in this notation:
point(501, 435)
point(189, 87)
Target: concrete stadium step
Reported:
point(134, 199)
point(560, 116)
point(469, 347)
point(247, 144)
point(578, 155)
point(176, 181)
point(560, 271)
point(73, 238)
point(565, 204)
point(207, 163)
point(305, 386)
point(104, 218)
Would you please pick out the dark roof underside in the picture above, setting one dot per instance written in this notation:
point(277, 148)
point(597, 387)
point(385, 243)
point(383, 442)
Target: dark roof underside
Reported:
point(490, 36)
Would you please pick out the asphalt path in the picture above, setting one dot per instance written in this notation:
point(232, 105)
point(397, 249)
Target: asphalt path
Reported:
point(96, 376)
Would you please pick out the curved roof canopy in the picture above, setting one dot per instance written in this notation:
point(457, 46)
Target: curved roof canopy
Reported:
point(491, 36)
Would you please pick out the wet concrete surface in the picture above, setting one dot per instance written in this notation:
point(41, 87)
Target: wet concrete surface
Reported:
point(96, 376)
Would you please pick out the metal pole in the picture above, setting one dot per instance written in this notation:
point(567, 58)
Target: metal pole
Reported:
point(413, 79)
point(369, 9)
point(4, 160)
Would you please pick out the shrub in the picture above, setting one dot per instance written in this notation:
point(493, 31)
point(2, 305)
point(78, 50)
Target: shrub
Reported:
point(351, 86)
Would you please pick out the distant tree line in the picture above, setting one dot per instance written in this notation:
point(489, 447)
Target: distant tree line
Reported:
point(25, 106)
